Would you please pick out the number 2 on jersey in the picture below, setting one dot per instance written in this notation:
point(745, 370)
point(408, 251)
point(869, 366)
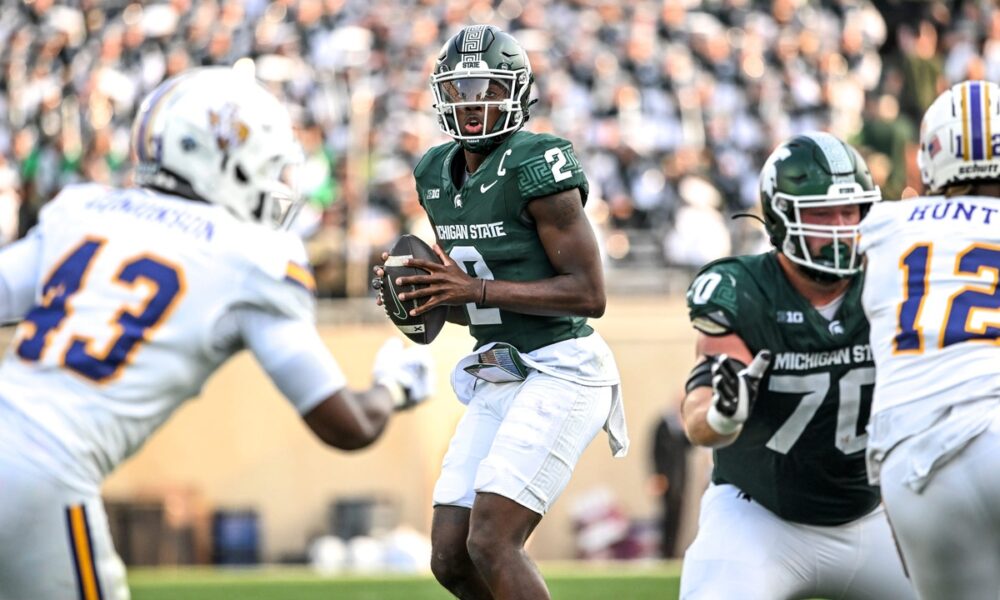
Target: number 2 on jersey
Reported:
point(166, 285)
point(957, 325)
point(473, 263)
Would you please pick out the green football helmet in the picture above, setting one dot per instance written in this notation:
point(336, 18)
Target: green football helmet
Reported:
point(813, 170)
point(481, 67)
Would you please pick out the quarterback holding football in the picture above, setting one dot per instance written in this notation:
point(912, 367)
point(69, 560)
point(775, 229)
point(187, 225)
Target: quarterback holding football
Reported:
point(519, 265)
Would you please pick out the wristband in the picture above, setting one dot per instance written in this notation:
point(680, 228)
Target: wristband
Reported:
point(395, 389)
point(720, 423)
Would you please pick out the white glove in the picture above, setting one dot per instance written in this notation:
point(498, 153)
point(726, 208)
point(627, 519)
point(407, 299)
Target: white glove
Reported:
point(408, 373)
point(734, 390)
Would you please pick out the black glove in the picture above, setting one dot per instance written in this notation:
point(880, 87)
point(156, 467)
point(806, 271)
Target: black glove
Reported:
point(734, 390)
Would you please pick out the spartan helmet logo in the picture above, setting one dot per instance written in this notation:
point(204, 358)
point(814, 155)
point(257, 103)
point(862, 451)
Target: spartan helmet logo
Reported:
point(229, 130)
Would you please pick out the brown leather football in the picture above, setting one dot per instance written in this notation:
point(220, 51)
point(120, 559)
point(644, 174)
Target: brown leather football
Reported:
point(422, 329)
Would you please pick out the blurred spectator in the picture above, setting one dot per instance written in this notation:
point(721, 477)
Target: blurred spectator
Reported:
point(700, 233)
point(669, 482)
point(691, 88)
point(886, 141)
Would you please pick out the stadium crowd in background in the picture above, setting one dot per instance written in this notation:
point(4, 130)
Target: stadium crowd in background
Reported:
point(672, 104)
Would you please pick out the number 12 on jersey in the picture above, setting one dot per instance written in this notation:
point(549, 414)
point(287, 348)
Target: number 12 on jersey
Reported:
point(957, 324)
point(164, 281)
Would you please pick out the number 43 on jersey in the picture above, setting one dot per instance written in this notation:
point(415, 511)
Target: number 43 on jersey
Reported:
point(164, 285)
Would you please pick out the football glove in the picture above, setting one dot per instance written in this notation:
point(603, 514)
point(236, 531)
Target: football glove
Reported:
point(734, 390)
point(408, 373)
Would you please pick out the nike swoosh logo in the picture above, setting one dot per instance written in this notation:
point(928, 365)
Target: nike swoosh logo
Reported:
point(485, 188)
point(399, 311)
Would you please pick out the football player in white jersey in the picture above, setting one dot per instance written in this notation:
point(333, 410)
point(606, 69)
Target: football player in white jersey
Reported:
point(131, 298)
point(931, 295)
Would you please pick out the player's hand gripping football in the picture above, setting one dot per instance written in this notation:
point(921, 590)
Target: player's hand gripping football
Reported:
point(408, 373)
point(444, 284)
point(378, 282)
point(734, 390)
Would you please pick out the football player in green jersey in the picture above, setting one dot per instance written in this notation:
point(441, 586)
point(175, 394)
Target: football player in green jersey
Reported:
point(782, 391)
point(521, 269)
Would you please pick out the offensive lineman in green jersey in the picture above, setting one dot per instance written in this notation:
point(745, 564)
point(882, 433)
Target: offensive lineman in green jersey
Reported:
point(790, 513)
point(522, 269)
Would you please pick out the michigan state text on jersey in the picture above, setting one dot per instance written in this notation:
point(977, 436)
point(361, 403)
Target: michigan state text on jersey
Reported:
point(801, 451)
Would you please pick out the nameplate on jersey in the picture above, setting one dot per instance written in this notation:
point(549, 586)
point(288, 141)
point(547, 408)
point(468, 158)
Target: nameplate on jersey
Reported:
point(500, 364)
point(471, 231)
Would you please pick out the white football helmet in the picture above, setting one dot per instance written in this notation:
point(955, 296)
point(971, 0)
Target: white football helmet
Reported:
point(214, 134)
point(960, 136)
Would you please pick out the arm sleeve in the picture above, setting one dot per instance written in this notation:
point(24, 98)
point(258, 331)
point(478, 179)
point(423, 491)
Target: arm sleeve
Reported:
point(293, 355)
point(19, 273)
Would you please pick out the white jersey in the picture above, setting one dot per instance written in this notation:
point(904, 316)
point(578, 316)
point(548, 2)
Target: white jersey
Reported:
point(931, 296)
point(128, 299)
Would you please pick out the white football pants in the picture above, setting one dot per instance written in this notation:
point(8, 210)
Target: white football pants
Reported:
point(54, 542)
point(950, 531)
point(745, 552)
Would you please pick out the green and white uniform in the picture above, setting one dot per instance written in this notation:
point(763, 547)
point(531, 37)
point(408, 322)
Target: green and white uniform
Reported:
point(484, 226)
point(801, 452)
point(790, 513)
point(506, 442)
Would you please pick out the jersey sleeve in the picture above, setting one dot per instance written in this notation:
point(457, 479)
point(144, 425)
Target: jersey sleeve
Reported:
point(548, 166)
point(712, 300)
point(293, 355)
point(279, 279)
point(20, 271)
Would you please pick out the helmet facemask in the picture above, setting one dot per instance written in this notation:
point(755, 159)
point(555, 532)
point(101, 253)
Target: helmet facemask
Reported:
point(837, 259)
point(280, 199)
point(457, 92)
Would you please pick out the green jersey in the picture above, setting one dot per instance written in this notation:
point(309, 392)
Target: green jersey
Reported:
point(801, 452)
point(481, 221)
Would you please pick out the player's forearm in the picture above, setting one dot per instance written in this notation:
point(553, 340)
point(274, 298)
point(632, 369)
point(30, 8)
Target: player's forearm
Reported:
point(695, 414)
point(351, 420)
point(562, 295)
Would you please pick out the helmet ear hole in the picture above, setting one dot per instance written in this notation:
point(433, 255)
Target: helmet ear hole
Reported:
point(241, 175)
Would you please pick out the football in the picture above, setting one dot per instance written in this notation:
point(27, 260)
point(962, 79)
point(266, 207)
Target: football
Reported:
point(421, 329)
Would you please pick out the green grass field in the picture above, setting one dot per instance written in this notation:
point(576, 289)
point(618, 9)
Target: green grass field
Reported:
point(568, 581)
